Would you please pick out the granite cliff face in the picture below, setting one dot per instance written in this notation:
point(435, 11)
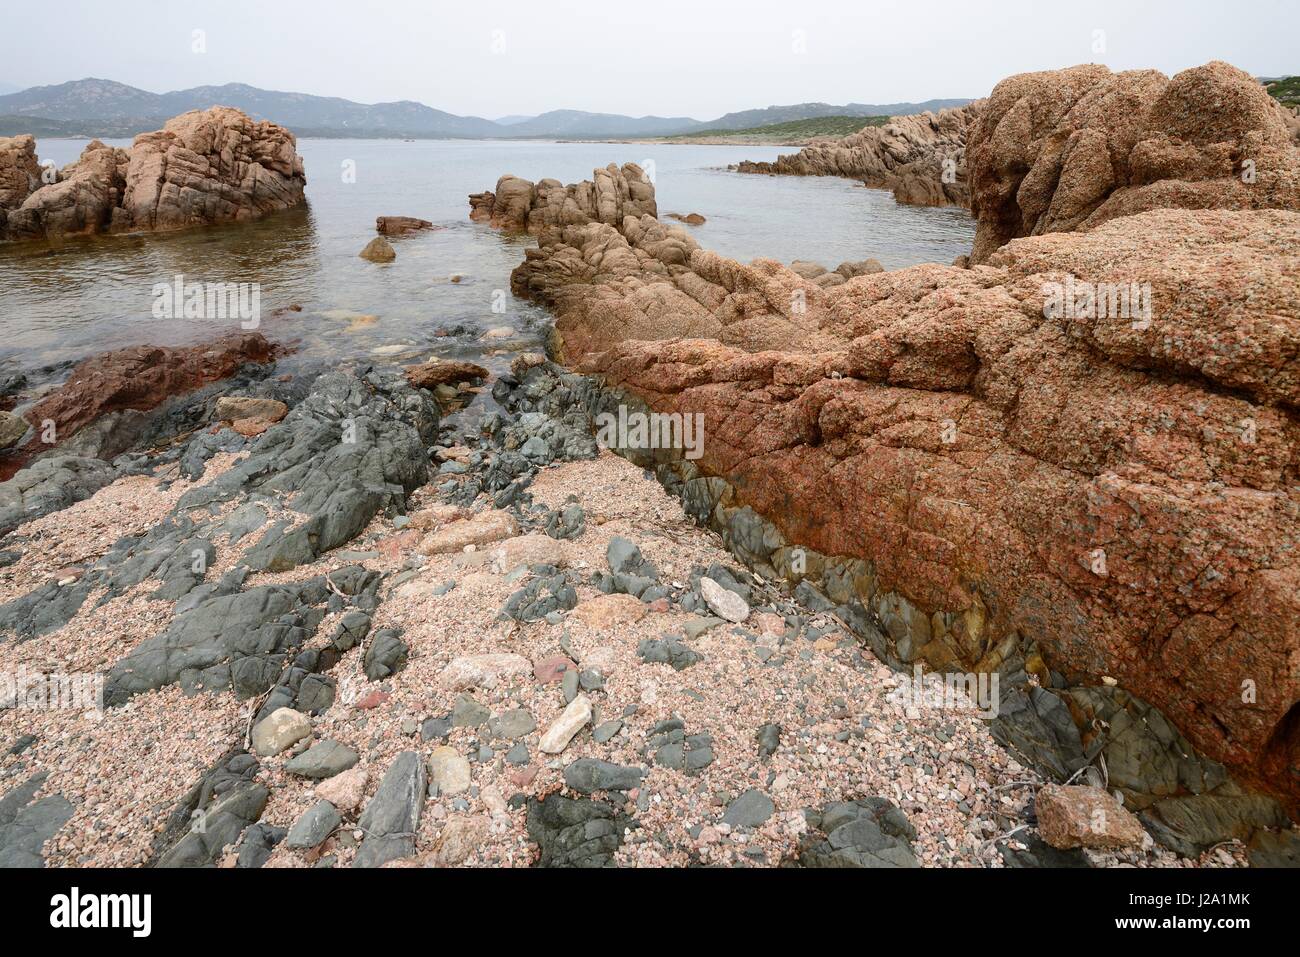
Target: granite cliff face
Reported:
point(921, 158)
point(203, 167)
point(1071, 149)
point(1076, 460)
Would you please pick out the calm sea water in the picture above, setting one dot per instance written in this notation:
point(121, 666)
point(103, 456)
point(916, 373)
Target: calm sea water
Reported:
point(91, 295)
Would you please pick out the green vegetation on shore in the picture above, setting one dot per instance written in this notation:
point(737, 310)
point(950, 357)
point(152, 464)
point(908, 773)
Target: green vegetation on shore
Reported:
point(806, 129)
point(1286, 91)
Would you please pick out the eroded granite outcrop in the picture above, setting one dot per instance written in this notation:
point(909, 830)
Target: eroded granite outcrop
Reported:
point(203, 167)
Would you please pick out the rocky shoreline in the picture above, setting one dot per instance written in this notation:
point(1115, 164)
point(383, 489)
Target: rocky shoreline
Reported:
point(839, 440)
point(337, 623)
point(509, 652)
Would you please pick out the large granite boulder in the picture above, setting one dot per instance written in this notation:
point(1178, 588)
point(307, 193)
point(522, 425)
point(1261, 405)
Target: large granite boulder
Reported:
point(1070, 149)
point(205, 166)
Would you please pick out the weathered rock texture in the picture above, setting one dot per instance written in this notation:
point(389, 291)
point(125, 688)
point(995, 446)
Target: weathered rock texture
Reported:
point(921, 158)
point(611, 194)
point(1092, 497)
point(205, 166)
point(1071, 149)
point(140, 378)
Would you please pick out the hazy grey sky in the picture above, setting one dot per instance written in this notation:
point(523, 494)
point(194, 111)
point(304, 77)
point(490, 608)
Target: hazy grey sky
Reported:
point(700, 58)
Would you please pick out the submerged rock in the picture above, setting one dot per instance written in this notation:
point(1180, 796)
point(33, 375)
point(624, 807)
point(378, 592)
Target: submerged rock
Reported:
point(379, 250)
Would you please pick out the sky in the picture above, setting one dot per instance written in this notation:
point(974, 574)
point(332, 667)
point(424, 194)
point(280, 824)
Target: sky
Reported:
point(701, 58)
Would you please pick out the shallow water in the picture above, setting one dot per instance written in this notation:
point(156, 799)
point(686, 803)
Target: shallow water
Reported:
point(87, 296)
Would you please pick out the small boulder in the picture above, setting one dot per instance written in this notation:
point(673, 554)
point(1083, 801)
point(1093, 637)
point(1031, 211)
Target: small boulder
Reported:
point(723, 603)
point(379, 250)
point(559, 734)
point(449, 771)
point(400, 225)
point(345, 791)
point(280, 730)
point(1081, 816)
point(317, 823)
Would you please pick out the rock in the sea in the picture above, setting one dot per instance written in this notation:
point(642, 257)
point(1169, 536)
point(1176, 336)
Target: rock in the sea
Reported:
point(400, 225)
point(724, 603)
point(1080, 816)
point(610, 194)
point(203, 167)
point(436, 372)
point(921, 157)
point(379, 250)
point(281, 729)
point(569, 723)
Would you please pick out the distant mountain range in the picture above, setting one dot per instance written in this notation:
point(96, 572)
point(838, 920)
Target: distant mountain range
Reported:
point(94, 107)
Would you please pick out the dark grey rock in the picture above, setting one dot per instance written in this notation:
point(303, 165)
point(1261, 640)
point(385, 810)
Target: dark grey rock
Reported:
point(512, 724)
point(257, 843)
point(870, 832)
point(749, 810)
point(588, 774)
point(575, 832)
point(385, 655)
point(669, 652)
point(468, 713)
point(392, 816)
point(322, 760)
point(316, 823)
point(26, 824)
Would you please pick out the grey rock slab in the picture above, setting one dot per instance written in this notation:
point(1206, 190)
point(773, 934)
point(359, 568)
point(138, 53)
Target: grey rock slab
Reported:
point(317, 823)
point(749, 810)
point(589, 774)
point(392, 816)
point(323, 760)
